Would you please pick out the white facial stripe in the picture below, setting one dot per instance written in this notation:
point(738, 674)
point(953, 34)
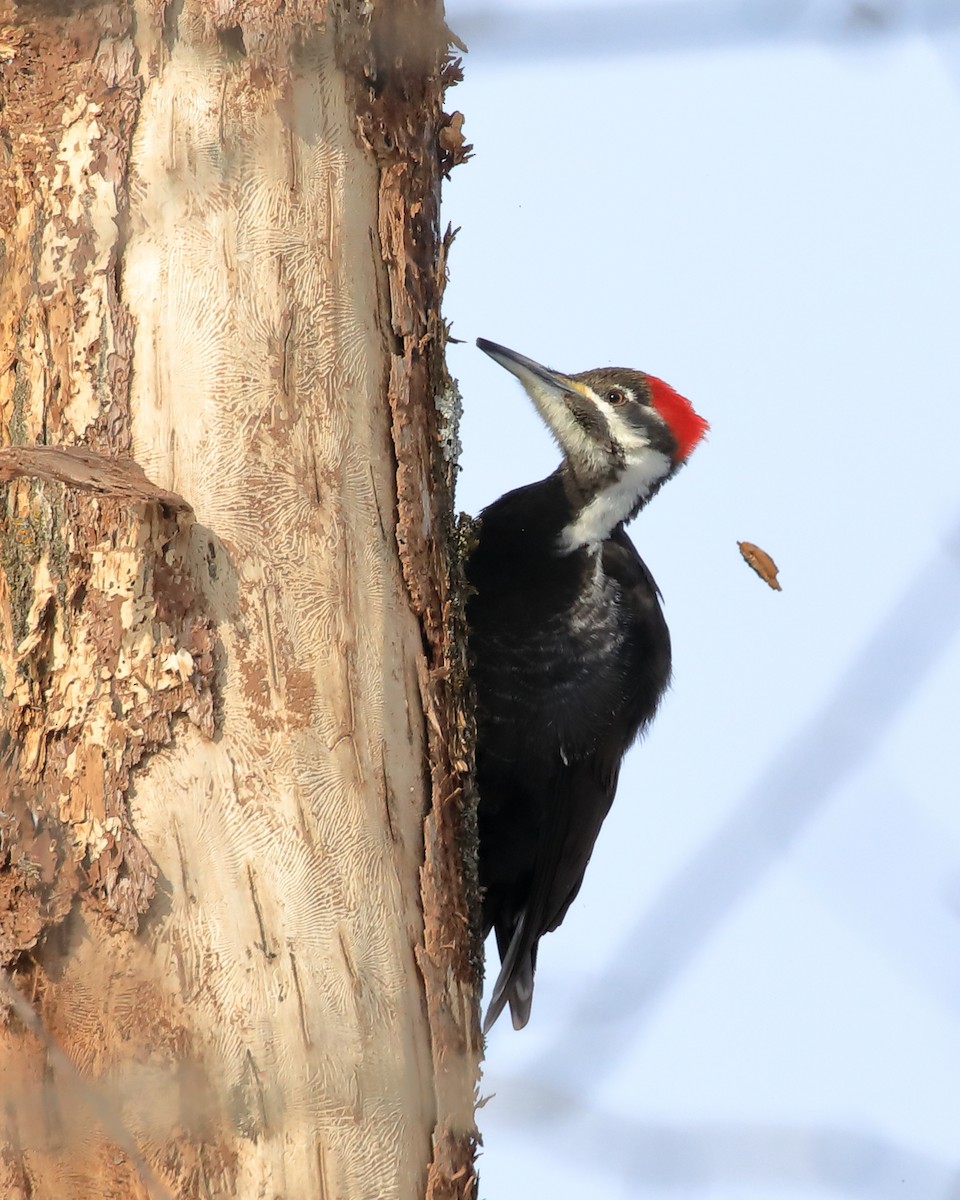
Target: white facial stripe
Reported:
point(633, 441)
point(613, 505)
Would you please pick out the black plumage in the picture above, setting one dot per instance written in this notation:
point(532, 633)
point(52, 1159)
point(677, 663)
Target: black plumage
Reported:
point(570, 656)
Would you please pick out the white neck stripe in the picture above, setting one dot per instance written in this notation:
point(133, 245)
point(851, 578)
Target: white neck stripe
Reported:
point(615, 503)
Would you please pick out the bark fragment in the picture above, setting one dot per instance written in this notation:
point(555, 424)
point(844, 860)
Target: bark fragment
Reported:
point(90, 472)
point(762, 563)
point(112, 648)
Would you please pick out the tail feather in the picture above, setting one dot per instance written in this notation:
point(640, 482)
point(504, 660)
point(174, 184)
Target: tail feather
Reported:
point(514, 984)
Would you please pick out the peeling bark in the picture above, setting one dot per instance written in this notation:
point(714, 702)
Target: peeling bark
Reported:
point(234, 741)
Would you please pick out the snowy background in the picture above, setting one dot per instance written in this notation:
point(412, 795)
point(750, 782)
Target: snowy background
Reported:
point(757, 992)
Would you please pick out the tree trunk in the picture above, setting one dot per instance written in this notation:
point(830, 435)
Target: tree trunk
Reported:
point(231, 897)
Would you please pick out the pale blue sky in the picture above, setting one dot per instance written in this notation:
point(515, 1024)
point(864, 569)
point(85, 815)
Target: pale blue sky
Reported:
point(771, 226)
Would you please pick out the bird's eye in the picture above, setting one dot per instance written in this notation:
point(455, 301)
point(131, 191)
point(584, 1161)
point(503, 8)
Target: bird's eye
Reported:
point(615, 396)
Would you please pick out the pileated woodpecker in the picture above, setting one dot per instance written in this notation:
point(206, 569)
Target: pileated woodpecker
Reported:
point(570, 652)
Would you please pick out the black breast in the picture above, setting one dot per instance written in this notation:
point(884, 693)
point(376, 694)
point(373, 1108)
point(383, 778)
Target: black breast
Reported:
point(570, 656)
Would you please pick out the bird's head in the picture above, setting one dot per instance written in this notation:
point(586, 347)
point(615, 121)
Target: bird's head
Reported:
point(622, 434)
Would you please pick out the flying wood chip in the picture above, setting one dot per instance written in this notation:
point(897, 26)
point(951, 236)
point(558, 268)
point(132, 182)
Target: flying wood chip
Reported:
point(761, 562)
point(80, 467)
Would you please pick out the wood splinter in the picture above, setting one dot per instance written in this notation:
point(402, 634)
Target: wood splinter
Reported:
point(89, 471)
point(762, 563)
